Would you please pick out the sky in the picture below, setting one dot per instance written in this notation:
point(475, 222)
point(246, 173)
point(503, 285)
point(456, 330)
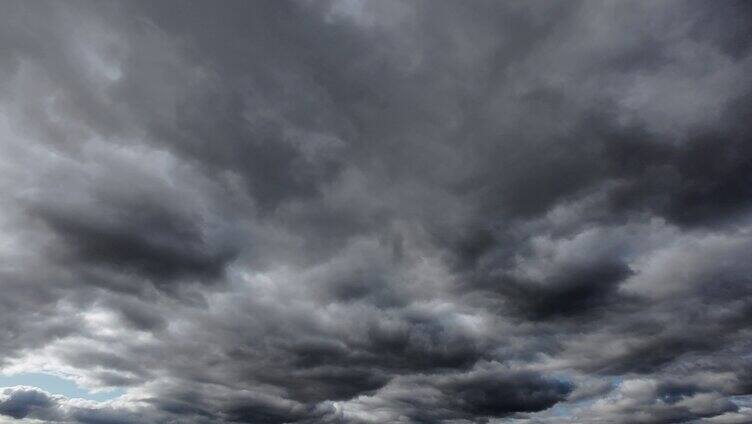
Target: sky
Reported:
point(379, 211)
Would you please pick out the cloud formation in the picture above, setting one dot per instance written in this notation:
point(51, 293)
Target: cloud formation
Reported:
point(362, 211)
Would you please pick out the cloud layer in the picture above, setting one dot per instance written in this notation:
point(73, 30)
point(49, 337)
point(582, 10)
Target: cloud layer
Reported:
point(355, 211)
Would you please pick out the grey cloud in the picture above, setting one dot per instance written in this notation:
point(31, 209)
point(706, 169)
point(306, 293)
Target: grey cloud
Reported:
point(646, 401)
point(486, 392)
point(25, 402)
point(377, 211)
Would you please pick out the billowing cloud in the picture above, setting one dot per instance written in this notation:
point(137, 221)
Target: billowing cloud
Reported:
point(365, 211)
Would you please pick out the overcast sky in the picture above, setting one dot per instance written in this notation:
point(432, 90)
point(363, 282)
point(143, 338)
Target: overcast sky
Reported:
point(375, 211)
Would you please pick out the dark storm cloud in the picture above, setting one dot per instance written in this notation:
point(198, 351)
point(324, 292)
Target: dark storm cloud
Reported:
point(478, 395)
point(574, 292)
point(156, 245)
point(21, 403)
point(494, 394)
point(704, 182)
point(377, 211)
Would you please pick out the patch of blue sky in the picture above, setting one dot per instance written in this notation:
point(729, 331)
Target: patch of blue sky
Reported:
point(565, 409)
point(58, 385)
point(742, 400)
